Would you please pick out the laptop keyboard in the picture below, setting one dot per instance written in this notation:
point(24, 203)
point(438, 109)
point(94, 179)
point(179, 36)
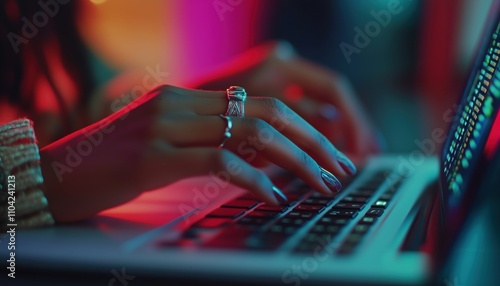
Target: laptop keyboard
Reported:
point(307, 221)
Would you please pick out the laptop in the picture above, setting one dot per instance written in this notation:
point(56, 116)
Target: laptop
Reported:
point(396, 223)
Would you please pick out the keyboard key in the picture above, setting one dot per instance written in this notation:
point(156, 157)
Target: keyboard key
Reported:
point(310, 237)
point(300, 214)
point(341, 221)
point(271, 208)
point(258, 221)
point(276, 228)
point(306, 247)
point(286, 221)
point(267, 241)
point(361, 228)
point(314, 201)
point(342, 213)
point(262, 214)
point(326, 229)
point(356, 206)
point(313, 242)
point(290, 229)
point(231, 237)
point(313, 208)
point(354, 199)
point(227, 212)
point(299, 221)
point(284, 228)
point(318, 228)
point(380, 204)
point(334, 220)
point(317, 237)
point(375, 212)
point(212, 222)
point(291, 221)
point(350, 243)
point(354, 238)
point(368, 220)
point(239, 203)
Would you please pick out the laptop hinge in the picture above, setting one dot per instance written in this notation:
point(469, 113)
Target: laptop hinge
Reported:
point(418, 232)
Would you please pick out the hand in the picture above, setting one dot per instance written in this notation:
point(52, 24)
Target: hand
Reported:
point(172, 133)
point(322, 97)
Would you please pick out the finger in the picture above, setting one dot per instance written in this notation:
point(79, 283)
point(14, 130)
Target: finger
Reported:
point(185, 129)
point(229, 168)
point(289, 124)
point(302, 133)
point(313, 111)
point(251, 137)
point(332, 88)
point(278, 115)
point(256, 134)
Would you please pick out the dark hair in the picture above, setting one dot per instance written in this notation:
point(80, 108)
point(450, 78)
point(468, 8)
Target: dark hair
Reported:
point(61, 27)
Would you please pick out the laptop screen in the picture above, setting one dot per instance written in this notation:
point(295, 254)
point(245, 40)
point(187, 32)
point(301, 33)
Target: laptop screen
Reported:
point(472, 141)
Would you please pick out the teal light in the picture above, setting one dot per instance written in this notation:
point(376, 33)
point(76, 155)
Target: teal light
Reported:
point(468, 154)
point(473, 144)
point(488, 110)
point(476, 134)
point(495, 91)
point(496, 82)
point(454, 188)
point(465, 163)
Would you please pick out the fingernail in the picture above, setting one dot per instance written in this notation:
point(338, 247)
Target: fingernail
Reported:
point(285, 51)
point(342, 158)
point(329, 112)
point(280, 194)
point(330, 180)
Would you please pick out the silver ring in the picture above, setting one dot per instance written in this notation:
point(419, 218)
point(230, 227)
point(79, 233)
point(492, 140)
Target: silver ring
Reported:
point(227, 130)
point(236, 96)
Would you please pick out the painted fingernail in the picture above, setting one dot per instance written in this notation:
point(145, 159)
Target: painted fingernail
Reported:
point(329, 112)
point(345, 162)
point(280, 194)
point(333, 183)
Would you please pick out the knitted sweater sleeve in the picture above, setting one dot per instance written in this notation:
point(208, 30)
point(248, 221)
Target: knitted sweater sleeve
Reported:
point(22, 201)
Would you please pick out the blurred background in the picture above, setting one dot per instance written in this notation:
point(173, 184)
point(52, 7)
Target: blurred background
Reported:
point(408, 71)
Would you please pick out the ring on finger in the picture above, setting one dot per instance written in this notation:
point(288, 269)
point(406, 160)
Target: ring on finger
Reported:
point(236, 96)
point(227, 130)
